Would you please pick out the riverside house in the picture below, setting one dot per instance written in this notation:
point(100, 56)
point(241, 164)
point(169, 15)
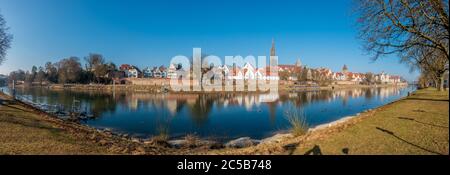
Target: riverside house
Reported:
point(131, 71)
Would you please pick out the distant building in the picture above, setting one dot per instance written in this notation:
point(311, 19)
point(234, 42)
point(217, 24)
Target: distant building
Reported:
point(394, 79)
point(273, 61)
point(345, 69)
point(130, 71)
point(172, 71)
point(134, 73)
point(156, 73)
point(298, 63)
point(235, 74)
point(147, 72)
point(163, 71)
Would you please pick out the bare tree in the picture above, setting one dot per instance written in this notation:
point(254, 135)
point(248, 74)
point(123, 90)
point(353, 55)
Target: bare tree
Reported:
point(69, 70)
point(96, 65)
point(18, 75)
point(369, 78)
point(431, 63)
point(94, 60)
point(51, 72)
point(5, 39)
point(40, 76)
point(404, 27)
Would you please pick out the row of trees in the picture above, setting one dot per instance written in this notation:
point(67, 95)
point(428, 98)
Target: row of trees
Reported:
point(415, 30)
point(68, 70)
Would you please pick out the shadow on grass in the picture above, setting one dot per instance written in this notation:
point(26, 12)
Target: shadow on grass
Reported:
point(345, 151)
point(10, 103)
point(17, 108)
point(31, 123)
point(429, 124)
point(426, 99)
point(314, 151)
point(405, 141)
point(290, 148)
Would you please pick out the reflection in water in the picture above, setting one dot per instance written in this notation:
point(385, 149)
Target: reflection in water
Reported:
point(251, 114)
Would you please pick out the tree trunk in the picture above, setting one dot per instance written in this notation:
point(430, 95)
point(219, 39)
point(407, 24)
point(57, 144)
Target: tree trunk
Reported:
point(448, 81)
point(440, 83)
point(436, 83)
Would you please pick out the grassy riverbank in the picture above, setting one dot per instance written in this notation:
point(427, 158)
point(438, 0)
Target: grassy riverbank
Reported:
point(24, 130)
point(418, 124)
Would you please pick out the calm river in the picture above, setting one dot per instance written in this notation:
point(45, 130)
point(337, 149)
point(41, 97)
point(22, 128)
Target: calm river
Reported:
point(212, 115)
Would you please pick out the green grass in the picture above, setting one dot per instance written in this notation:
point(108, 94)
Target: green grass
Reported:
point(418, 124)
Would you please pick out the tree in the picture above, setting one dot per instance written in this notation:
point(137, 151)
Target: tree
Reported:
point(69, 70)
point(18, 75)
point(33, 72)
point(40, 76)
point(111, 66)
point(96, 66)
point(299, 73)
point(51, 72)
point(304, 74)
point(284, 75)
point(433, 64)
point(29, 78)
point(94, 60)
point(5, 39)
point(404, 27)
point(369, 78)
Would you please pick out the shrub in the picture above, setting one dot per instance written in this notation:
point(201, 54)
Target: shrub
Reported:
point(297, 120)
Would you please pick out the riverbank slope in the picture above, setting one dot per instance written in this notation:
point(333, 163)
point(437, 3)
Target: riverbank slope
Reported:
point(24, 130)
point(418, 124)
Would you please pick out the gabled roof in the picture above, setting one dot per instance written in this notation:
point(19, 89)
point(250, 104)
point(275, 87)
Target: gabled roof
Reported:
point(162, 68)
point(248, 66)
point(234, 72)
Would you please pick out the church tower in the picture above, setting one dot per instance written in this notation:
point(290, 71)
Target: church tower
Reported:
point(272, 50)
point(273, 59)
point(345, 69)
point(298, 63)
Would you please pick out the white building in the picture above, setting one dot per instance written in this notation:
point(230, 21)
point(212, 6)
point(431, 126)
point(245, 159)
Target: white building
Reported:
point(147, 72)
point(172, 71)
point(133, 73)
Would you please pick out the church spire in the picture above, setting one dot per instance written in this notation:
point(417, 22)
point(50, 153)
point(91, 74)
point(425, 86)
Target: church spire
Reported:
point(273, 57)
point(272, 50)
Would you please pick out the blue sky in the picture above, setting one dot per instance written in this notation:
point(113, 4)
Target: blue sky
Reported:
point(150, 33)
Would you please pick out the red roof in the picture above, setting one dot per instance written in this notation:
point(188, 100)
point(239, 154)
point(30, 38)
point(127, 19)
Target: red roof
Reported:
point(125, 67)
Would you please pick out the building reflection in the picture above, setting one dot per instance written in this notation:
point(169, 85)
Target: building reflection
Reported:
point(199, 106)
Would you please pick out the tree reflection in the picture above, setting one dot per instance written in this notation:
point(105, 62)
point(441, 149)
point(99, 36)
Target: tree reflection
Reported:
point(201, 109)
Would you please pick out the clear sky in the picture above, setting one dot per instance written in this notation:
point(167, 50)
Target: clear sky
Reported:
point(150, 33)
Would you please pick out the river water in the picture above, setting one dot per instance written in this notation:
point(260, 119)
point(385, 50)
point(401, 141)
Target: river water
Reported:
point(221, 116)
